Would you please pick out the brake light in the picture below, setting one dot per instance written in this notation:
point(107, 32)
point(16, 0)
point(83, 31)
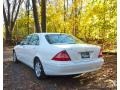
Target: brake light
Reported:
point(62, 56)
point(100, 53)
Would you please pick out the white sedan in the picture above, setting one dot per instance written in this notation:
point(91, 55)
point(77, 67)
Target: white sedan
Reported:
point(57, 54)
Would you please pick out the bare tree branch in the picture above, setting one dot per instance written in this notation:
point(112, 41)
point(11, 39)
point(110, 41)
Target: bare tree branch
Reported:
point(13, 9)
point(5, 18)
point(16, 14)
point(18, 8)
point(8, 4)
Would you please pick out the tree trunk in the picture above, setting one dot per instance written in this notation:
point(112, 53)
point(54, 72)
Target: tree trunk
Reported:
point(64, 17)
point(35, 14)
point(27, 13)
point(43, 15)
point(76, 17)
point(8, 37)
point(67, 5)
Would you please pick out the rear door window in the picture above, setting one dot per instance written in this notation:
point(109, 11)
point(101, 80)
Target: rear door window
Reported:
point(26, 40)
point(34, 40)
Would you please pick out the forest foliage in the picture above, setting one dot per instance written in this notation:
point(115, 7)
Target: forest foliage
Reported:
point(93, 21)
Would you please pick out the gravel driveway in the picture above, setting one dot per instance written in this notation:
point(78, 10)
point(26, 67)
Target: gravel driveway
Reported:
point(20, 77)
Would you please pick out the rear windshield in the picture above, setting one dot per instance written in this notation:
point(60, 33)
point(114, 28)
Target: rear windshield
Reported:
point(62, 39)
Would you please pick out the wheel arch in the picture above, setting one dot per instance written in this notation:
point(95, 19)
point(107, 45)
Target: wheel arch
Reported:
point(13, 50)
point(35, 58)
point(38, 58)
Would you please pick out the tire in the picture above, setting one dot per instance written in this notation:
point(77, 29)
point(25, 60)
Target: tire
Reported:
point(15, 60)
point(38, 69)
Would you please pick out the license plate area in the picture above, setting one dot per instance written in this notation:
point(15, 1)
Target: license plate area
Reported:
point(85, 55)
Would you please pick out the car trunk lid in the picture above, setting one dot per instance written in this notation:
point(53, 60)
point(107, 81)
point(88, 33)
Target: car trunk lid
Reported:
point(80, 51)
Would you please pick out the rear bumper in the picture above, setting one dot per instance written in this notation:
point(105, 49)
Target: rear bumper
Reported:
point(69, 68)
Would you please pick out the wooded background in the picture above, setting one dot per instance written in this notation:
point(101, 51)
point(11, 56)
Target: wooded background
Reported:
point(93, 21)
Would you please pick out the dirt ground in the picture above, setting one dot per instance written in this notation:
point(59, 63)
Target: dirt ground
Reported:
point(20, 77)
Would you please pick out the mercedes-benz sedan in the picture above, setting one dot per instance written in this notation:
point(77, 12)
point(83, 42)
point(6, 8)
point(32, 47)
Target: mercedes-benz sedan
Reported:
point(57, 54)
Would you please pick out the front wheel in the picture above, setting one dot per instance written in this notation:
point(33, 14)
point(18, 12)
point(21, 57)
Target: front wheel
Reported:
point(15, 57)
point(38, 69)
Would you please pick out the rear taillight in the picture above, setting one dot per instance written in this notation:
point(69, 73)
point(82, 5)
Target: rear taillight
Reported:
point(62, 56)
point(100, 53)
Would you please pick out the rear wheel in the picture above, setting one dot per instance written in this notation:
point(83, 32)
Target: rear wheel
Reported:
point(15, 57)
point(38, 69)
